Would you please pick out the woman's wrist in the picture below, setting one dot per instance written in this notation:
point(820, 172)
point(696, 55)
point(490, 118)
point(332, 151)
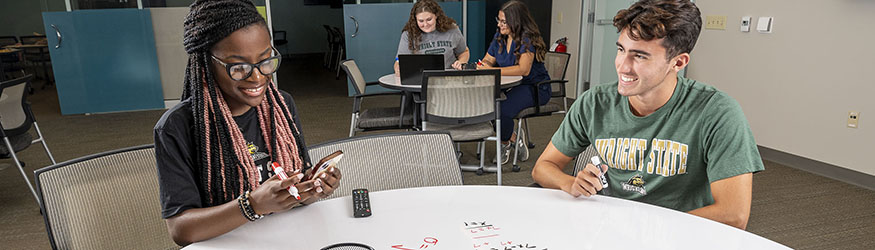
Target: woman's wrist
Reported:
point(245, 205)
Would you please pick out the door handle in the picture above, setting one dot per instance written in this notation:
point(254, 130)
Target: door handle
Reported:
point(356, 26)
point(57, 32)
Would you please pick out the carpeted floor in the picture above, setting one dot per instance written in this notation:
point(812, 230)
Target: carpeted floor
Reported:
point(792, 207)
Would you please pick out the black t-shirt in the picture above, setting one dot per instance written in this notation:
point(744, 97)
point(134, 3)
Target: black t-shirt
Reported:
point(175, 154)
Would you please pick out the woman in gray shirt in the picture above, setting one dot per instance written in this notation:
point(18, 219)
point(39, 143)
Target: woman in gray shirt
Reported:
point(430, 31)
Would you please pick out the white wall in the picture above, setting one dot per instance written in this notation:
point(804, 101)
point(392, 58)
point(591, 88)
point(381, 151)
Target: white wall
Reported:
point(172, 58)
point(797, 84)
point(566, 23)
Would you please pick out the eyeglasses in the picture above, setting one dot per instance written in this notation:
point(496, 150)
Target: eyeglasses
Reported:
point(240, 71)
point(501, 22)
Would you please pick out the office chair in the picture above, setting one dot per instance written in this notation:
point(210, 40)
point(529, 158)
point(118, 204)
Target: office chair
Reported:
point(32, 39)
point(16, 119)
point(11, 62)
point(341, 46)
point(556, 64)
point(378, 118)
point(329, 55)
point(393, 161)
point(463, 103)
point(104, 201)
point(8, 40)
point(38, 56)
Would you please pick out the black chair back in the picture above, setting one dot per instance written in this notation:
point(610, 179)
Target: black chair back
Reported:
point(8, 40)
point(32, 39)
point(15, 115)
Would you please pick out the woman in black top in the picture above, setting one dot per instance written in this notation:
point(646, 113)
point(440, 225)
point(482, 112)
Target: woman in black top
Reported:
point(215, 148)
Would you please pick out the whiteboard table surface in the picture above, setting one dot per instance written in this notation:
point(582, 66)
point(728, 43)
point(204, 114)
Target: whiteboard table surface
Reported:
point(545, 218)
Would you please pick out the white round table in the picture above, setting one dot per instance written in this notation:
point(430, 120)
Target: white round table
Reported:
point(480, 217)
point(394, 82)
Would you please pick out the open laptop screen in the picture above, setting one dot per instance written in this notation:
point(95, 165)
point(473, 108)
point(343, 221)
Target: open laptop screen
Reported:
point(411, 66)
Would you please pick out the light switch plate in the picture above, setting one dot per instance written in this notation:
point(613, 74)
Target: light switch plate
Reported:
point(745, 24)
point(765, 24)
point(715, 22)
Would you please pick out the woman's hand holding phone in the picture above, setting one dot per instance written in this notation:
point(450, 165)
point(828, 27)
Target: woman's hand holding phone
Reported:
point(326, 175)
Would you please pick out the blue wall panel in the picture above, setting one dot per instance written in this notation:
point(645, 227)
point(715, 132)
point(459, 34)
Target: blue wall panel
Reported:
point(110, 59)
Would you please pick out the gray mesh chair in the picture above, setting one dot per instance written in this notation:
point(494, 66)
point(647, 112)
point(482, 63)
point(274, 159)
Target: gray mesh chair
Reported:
point(556, 64)
point(464, 103)
point(393, 161)
point(373, 118)
point(16, 119)
point(583, 158)
point(104, 201)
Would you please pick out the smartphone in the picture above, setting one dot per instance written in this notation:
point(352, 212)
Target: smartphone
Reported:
point(324, 164)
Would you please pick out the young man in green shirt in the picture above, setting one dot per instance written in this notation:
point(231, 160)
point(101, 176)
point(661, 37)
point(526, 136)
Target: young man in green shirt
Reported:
point(665, 140)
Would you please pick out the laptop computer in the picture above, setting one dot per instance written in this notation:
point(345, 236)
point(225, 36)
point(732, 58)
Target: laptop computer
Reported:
point(410, 66)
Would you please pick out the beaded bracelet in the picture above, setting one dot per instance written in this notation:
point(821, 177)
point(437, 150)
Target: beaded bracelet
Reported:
point(246, 207)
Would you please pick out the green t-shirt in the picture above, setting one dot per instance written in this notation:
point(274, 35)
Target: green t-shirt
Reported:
point(667, 158)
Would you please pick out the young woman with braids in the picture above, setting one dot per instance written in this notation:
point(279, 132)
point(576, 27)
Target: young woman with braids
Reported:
point(430, 31)
point(214, 149)
point(518, 50)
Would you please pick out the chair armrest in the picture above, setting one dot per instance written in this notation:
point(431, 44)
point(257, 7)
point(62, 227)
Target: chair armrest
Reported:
point(357, 99)
point(417, 98)
point(537, 97)
point(501, 97)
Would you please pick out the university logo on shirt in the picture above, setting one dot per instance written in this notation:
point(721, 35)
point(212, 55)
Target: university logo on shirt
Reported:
point(635, 184)
point(665, 158)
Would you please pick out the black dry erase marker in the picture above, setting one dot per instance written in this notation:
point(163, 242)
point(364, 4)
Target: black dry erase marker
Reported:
point(603, 177)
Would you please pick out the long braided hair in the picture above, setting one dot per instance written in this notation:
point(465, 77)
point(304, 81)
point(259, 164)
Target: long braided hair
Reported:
point(226, 168)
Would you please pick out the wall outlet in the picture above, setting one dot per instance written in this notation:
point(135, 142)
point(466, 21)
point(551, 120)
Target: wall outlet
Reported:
point(853, 118)
point(715, 22)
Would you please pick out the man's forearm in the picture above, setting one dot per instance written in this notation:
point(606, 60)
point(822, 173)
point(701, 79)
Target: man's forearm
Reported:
point(548, 175)
point(732, 198)
point(736, 217)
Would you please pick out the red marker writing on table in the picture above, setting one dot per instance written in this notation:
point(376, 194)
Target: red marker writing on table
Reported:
point(279, 171)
